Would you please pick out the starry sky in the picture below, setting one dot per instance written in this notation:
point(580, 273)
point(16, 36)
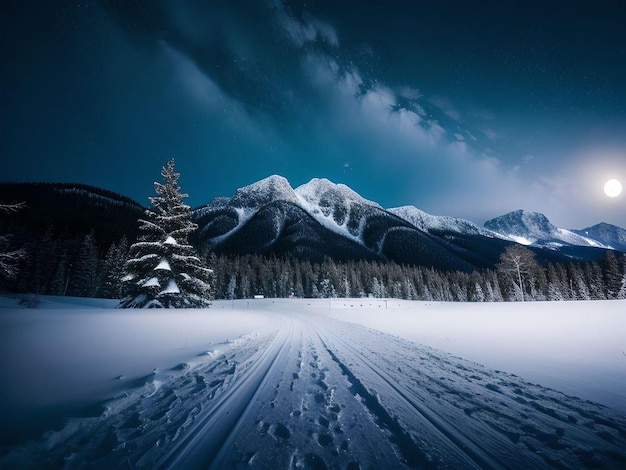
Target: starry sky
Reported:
point(465, 108)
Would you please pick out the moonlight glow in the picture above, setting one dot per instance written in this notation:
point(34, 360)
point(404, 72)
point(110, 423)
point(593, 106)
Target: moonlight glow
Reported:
point(612, 188)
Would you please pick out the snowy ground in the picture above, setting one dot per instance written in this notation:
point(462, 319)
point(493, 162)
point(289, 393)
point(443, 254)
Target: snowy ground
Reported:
point(301, 384)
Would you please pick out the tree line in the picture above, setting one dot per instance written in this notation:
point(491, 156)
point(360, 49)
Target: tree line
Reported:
point(248, 275)
point(77, 266)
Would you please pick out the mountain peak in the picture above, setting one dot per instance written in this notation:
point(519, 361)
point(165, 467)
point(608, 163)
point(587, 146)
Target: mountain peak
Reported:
point(607, 234)
point(321, 191)
point(534, 228)
point(523, 226)
point(262, 192)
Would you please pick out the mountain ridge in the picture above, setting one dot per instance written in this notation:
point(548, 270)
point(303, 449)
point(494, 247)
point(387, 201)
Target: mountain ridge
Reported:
point(317, 219)
point(321, 218)
point(331, 204)
point(275, 215)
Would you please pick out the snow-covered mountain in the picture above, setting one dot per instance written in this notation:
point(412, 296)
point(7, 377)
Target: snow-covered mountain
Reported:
point(321, 218)
point(318, 219)
point(534, 228)
point(439, 224)
point(607, 234)
point(337, 207)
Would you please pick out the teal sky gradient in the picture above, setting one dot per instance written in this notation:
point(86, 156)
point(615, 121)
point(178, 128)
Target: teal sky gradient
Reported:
point(462, 108)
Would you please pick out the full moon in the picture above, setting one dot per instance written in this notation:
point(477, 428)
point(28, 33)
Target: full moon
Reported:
point(612, 188)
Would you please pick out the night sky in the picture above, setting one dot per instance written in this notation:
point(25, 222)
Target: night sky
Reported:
point(463, 108)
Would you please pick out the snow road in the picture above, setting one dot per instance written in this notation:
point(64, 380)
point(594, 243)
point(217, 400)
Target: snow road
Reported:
point(313, 392)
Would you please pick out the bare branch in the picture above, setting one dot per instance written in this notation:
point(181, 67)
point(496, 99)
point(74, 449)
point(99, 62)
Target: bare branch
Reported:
point(11, 207)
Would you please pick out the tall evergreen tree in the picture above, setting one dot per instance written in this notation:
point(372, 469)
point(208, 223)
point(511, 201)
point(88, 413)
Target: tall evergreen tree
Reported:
point(612, 274)
point(595, 281)
point(112, 270)
point(622, 292)
point(9, 256)
point(163, 270)
point(84, 275)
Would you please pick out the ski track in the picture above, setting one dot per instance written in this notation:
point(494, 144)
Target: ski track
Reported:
point(311, 392)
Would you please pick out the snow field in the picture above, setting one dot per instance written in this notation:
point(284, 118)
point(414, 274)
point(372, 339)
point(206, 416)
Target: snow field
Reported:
point(576, 347)
point(285, 384)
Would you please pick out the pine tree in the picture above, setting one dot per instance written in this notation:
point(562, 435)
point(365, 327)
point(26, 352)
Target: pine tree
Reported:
point(113, 270)
point(43, 256)
point(622, 292)
point(595, 281)
point(612, 274)
point(9, 256)
point(580, 289)
point(83, 278)
point(163, 270)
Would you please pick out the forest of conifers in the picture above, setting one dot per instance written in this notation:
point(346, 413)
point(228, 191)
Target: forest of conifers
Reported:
point(74, 265)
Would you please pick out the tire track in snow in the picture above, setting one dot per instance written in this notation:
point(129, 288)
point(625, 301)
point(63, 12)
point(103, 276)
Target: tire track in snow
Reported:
point(206, 440)
point(508, 431)
point(467, 454)
point(412, 454)
point(138, 426)
point(310, 392)
point(310, 419)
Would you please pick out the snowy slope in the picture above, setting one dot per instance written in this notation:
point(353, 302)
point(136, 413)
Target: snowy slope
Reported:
point(607, 234)
point(534, 228)
point(336, 207)
point(297, 388)
point(437, 223)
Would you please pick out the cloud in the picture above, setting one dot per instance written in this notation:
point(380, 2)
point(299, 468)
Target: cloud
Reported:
point(358, 122)
point(200, 87)
point(299, 33)
point(410, 93)
point(490, 134)
point(446, 106)
point(223, 116)
point(351, 105)
point(326, 32)
point(310, 29)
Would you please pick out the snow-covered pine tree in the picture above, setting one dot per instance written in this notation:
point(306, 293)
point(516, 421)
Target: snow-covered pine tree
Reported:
point(163, 270)
point(622, 292)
